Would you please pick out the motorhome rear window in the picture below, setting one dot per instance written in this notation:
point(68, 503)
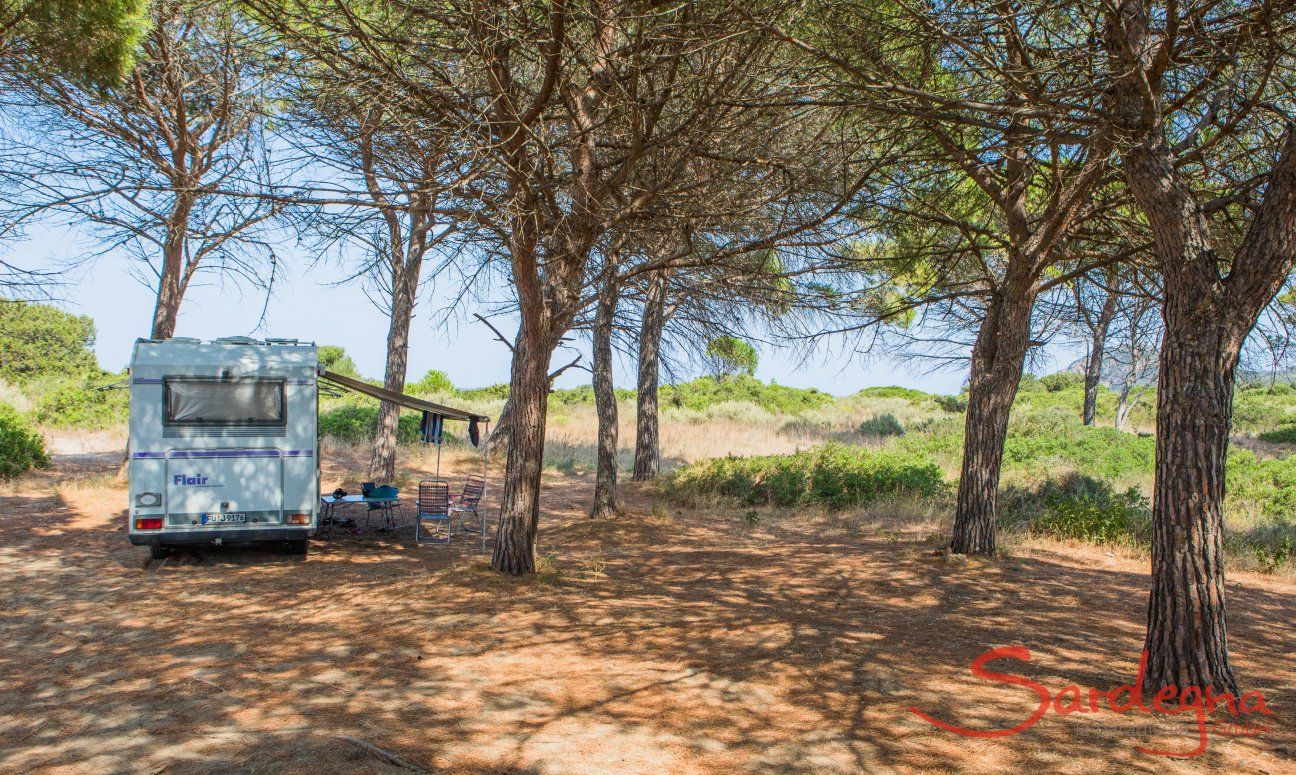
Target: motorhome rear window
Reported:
point(247, 401)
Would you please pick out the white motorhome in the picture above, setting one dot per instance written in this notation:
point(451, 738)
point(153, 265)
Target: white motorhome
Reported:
point(223, 442)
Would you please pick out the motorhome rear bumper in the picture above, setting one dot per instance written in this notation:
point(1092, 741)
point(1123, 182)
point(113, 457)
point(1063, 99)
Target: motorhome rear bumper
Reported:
point(192, 537)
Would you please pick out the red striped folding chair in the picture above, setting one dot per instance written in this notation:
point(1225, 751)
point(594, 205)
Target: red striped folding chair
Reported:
point(466, 502)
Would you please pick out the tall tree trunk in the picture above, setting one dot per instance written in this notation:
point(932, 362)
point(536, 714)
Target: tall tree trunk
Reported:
point(175, 273)
point(997, 359)
point(605, 402)
point(1187, 640)
point(515, 536)
point(1211, 305)
point(404, 293)
point(647, 460)
point(1097, 350)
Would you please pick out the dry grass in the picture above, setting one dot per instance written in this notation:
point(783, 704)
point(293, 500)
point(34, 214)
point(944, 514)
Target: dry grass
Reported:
point(731, 428)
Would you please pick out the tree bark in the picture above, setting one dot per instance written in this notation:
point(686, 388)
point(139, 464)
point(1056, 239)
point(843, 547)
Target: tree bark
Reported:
point(405, 290)
point(175, 273)
point(1187, 640)
point(647, 461)
point(1124, 407)
point(515, 536)
point(605, 402)
point(1097, 350)
point(1211, 305)
point(997, 359)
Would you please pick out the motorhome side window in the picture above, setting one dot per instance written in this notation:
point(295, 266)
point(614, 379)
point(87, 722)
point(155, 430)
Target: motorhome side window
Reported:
point(216, 401)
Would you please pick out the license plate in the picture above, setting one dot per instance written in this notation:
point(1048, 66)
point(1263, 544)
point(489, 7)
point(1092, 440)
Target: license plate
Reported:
point(218, 519)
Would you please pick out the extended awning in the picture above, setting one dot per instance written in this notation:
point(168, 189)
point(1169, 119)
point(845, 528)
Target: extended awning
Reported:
point(428, 408)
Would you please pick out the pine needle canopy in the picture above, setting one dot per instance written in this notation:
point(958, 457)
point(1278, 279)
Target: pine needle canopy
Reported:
point(90, 40)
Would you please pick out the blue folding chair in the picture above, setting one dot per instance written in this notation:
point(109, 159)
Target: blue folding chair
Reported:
point(433, 506)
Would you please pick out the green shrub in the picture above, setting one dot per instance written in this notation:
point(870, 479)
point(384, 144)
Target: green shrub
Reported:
point(1272, 554)
point(1079, 507)
point(433, 382)
point(583, 395)
point(895, 391)
point(1062, 380)
point(84, 403)
point(833, 475)
point(335, 359)
point(21, 448)
point(881, 425)
point(1259, 410)
point(1030, 384)
point(1286, 435)
point(1039, 440)
point(360, 423)
point(805, 426)
point(1120, 519)
point(954, 404)
point(701, 394)
point(38, 340)
point(1267, 485)
point(490, 392)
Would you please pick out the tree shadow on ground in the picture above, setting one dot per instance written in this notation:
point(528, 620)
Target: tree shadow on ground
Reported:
point(655, 642)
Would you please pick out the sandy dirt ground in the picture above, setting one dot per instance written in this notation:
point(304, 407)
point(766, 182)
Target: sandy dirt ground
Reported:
point(661, 642)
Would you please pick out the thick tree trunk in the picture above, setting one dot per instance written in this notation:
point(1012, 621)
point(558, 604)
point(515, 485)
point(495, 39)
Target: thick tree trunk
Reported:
point(515, 536)
point(1187, 642)
point(174, 277)
point(1097, 350)
point(605, 403)
point(405, 289)
point(647, 461)
point(997, 359)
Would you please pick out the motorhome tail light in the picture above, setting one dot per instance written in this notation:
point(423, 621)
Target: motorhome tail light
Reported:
point(299, 519)
point(148, 499)
point(148, 523)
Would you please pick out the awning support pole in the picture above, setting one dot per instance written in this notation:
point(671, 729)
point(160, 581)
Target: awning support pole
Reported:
point(481, 503)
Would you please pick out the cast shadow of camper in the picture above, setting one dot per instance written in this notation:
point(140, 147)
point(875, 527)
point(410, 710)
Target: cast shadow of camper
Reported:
point(250, 554)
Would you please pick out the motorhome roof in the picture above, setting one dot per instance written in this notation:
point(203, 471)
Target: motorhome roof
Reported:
point(240, 353)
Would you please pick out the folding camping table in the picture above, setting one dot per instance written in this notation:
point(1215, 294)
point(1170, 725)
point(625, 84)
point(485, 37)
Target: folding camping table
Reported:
point(329, 504)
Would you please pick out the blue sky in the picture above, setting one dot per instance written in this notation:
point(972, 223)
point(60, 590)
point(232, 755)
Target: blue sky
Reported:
point(306, 306)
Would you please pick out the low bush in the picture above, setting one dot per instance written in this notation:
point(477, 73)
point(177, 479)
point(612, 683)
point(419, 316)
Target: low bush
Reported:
point(1260, 411)
point(360, 423)
point(21, 448)
point(1272, 550)
point(1040, 440)
point(583, 395)
point(1062, 380)
point(833, 475)
point(1285, 435)
point(1079, 507)
point(806, 426)
point(894, 391)
point(488, 393)
point(1030, 384)
point(705, 392)
point(881, 425)
point(1264, 486)
point(83, 403)
point(953, 404)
